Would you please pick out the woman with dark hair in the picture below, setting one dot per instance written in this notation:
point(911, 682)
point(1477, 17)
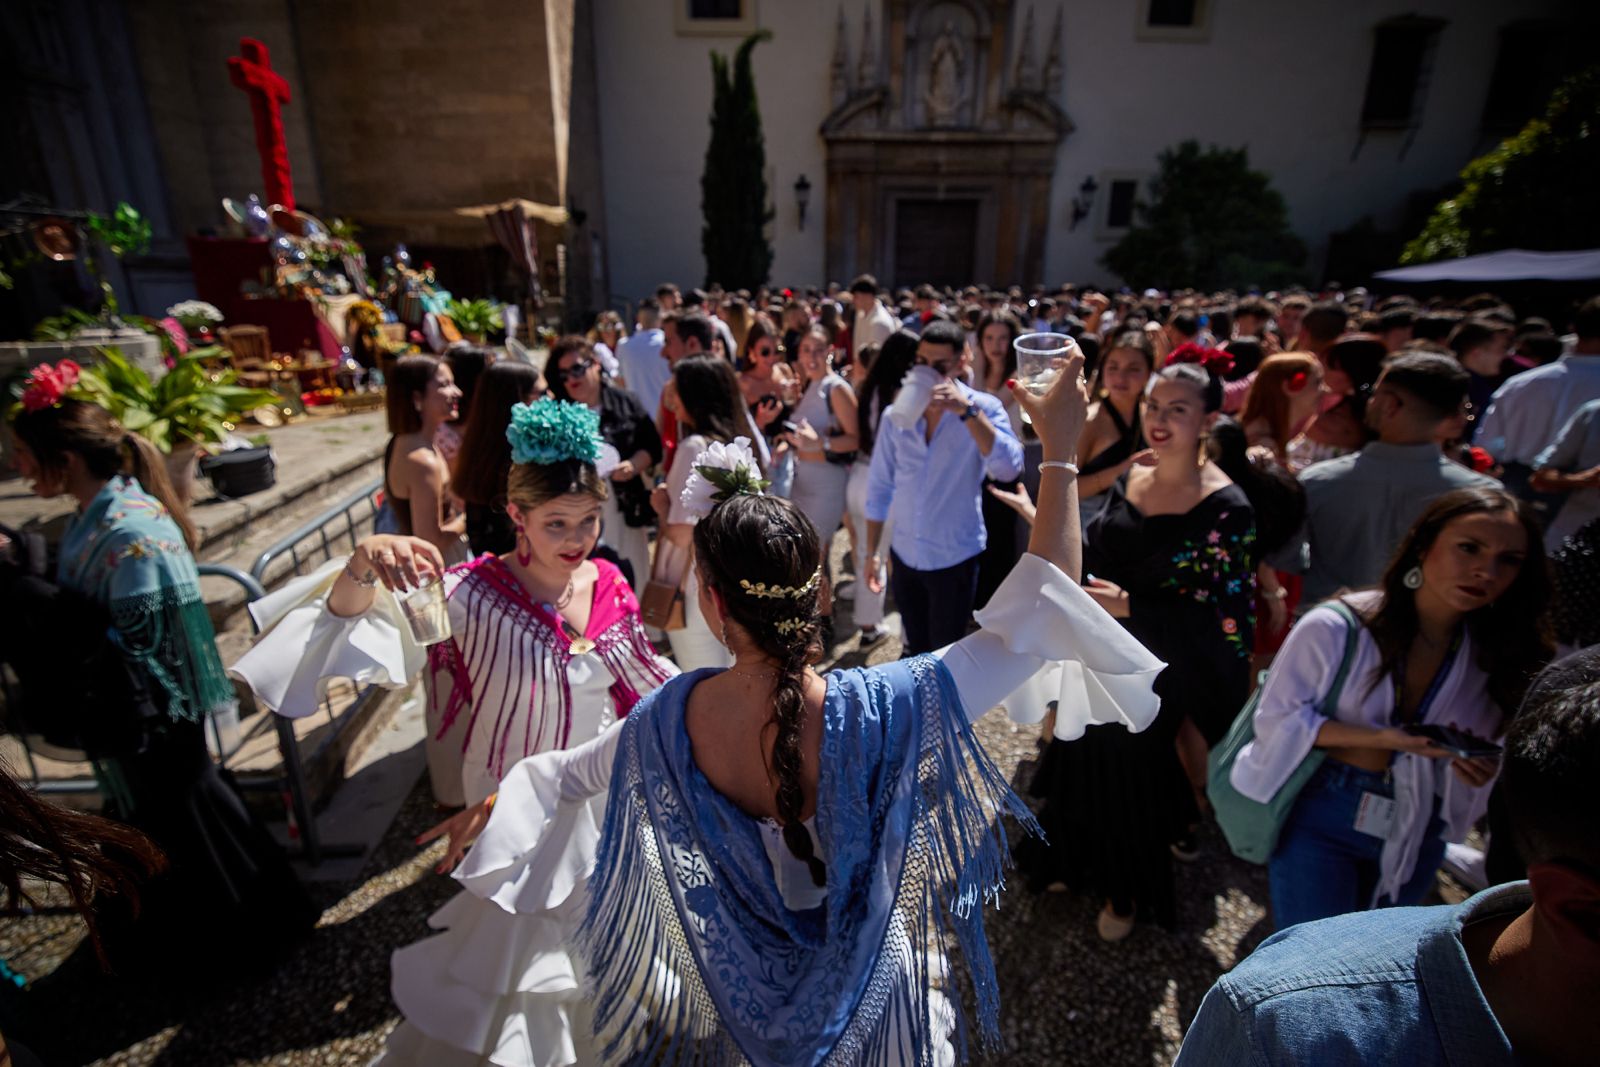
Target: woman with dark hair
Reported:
point(467, 364)
point(128, 555)
point(1279, 503)
point(784, 852)
point(1172, 555)
point(1483, 346)
point(545, 651)
point(879, 387)
point(770, 389)
point(710, 409)
point(1113, 438)
point(483, 463)
point(1451, 638)
point(626, 514)
point(1005, 536)
point(824, 438)
point(422, 396)
point(1339, 427)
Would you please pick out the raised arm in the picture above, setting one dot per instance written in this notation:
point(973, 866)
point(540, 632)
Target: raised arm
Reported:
point(1058, 418)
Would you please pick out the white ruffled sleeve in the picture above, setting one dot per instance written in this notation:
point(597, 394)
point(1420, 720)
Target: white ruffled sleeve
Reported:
point(541, 839)
point(1044, 639)
point(303, 645)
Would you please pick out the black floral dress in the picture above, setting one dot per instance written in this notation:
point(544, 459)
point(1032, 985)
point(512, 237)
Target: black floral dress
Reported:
point(1115, 800)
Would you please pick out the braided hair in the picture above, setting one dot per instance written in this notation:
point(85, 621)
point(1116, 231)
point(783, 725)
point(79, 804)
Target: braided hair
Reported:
point(764, 557)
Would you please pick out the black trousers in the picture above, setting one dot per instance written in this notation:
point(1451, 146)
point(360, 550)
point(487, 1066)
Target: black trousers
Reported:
point(934, 605)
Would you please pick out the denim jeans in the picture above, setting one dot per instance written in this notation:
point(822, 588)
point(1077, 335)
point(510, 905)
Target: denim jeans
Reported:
point(1323, 866)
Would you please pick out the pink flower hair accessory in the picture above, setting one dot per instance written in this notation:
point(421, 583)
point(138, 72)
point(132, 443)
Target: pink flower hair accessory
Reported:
point(47, 386)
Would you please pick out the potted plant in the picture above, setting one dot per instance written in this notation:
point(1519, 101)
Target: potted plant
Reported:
point(188, 407)
point(196, 317)
point(475, 318)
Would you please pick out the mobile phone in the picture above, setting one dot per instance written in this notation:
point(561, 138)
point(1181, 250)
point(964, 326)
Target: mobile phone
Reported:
point(1456, 742)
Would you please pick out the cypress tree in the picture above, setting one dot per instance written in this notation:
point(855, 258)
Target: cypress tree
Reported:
point(733, 187)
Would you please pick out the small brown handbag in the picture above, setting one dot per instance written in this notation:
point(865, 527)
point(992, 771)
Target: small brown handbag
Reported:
point(661, 602)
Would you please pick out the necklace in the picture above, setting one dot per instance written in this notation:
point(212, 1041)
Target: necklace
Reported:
point(766, 673)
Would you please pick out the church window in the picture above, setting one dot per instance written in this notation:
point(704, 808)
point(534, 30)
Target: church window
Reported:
point(1174, 20)
point(1402, 59)
point(699, 18)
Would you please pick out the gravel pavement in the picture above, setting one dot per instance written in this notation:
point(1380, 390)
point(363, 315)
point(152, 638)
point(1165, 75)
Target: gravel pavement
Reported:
point(1067, 998)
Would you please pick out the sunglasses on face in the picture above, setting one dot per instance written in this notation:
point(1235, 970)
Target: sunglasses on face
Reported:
point(577, 370)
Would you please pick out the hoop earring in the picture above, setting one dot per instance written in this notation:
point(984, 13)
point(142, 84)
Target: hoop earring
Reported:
point(1413, 578)
point(524, 547)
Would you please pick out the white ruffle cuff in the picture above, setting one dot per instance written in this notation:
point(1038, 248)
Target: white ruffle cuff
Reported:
point(303, 645)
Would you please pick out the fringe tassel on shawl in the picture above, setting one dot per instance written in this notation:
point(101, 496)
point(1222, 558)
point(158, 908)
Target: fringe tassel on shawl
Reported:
point(651, 1003)
point(169, 635)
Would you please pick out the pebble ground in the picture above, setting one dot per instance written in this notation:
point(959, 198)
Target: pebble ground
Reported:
point(1067, 997)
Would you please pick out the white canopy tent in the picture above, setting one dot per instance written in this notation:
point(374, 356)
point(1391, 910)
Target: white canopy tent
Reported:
point(1507, 265)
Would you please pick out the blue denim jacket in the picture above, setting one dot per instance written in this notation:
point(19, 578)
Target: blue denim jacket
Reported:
point(1386, 986)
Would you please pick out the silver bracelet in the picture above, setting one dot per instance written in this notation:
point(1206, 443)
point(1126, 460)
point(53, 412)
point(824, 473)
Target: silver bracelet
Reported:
point(1059, 464)
point(366, 583)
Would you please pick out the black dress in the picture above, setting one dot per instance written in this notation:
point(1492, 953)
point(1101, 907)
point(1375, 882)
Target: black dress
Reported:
point(1115, 800)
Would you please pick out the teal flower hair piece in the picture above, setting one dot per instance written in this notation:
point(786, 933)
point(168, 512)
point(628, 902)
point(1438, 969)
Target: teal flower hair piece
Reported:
point(551, 431)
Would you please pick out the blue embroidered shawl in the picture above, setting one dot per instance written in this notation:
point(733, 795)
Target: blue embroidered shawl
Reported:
point(693, 957)
point(125, 551)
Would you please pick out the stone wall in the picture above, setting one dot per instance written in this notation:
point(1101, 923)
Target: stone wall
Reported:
point(447, 106)
point(203, 126)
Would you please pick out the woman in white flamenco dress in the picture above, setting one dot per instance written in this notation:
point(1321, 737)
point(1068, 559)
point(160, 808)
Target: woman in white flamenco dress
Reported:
point(546, 651)
point(783, 853)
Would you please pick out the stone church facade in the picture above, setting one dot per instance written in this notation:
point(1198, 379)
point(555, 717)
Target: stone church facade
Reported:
point(998, 141)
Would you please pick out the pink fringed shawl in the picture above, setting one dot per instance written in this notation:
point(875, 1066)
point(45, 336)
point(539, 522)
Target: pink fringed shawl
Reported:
point(509, 656)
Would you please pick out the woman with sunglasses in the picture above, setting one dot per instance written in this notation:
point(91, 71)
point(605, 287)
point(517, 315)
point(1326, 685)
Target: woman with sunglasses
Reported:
point(574, 374)
point(770, 389)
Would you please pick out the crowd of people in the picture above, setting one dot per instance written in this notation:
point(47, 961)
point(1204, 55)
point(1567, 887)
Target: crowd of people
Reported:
point(1356, 529)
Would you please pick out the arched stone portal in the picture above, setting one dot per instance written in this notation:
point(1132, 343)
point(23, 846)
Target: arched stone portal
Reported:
point(939, 160)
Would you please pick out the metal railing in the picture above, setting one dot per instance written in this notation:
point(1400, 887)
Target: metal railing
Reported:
point(314, 542)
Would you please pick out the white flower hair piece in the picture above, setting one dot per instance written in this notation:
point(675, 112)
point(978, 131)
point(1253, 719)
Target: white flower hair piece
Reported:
point(725, 469)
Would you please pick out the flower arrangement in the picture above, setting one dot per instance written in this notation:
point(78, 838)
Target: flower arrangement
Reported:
point(1214, 360)
point(725, 469)
point(551, 431)
point(194, 314)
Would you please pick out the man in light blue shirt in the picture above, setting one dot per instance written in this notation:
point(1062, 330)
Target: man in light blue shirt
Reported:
point(1510, 976)
point(929, 479)
point(644, 369)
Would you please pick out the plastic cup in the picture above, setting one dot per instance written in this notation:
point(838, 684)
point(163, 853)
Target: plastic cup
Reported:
point(916, 390)
point(1037, 354)
point(426, 613)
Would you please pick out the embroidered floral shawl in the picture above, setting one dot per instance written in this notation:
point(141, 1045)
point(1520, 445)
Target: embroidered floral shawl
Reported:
point(693, 957)
point(125, 550)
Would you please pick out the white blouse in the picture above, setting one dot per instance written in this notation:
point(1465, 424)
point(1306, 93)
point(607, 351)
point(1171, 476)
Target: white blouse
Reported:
point(1043, 639)
point(1287, 723)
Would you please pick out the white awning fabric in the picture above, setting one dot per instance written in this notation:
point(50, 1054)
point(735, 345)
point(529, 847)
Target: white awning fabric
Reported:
point(1507, 265)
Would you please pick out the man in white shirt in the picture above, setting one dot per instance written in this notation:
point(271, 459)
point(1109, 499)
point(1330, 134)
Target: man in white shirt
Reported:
point(1571, 465)
point(873, 324)
point(1526, 412)
point(640, 360)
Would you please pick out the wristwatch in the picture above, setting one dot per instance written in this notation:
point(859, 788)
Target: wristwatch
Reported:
point(972, 409)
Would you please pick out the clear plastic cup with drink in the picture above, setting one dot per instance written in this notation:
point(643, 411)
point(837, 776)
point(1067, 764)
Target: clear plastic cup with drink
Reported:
point(1038, 356)
point(426, 612)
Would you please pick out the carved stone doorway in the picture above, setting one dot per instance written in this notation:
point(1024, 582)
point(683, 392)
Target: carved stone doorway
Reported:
point(941, 146)
point(935, 241)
